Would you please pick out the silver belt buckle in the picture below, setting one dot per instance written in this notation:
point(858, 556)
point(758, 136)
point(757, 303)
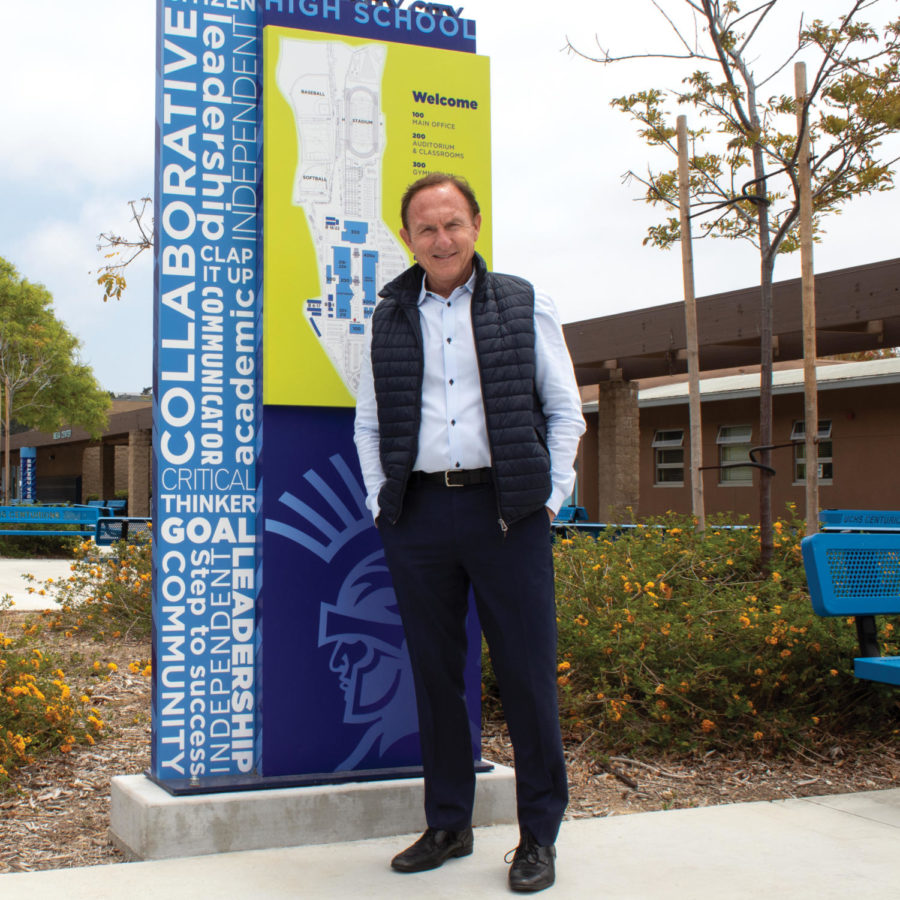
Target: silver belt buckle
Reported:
point(447, 474)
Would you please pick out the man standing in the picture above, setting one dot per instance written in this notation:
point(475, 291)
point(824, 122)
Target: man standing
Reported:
point(467, 425)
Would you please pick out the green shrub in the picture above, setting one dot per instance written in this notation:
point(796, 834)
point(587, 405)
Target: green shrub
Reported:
point(670, 640)
point(33, 546)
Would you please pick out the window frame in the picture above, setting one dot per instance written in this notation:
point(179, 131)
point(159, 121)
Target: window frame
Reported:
point(744, 475)
point(798, 436)
point(660, 445)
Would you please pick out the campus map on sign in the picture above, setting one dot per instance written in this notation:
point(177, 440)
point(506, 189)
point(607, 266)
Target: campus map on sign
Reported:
point(334, 91)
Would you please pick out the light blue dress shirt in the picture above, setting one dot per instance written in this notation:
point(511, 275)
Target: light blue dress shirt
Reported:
point(453, 432)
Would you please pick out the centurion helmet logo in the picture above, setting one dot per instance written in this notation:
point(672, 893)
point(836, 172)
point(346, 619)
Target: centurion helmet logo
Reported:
point(369, 657)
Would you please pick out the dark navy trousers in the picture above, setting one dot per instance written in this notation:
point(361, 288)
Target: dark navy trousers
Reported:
point(445, 540)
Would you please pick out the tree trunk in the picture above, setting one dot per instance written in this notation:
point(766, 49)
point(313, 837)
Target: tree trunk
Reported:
point(5, 454)
point(7, 417)
point(765, 412)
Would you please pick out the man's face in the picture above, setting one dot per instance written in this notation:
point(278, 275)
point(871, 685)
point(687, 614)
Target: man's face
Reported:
point(442, 235)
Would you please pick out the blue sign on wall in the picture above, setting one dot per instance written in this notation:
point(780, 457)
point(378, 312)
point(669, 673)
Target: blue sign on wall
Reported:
point(27, 473)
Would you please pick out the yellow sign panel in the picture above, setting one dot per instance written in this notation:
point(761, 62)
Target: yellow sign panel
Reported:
point(348, 123)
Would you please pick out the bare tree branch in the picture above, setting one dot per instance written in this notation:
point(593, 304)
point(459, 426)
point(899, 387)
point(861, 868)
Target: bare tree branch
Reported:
point(111, 276)
point(674, 27)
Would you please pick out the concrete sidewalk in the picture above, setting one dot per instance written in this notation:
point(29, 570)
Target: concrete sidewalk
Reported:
point(824, 847)
point(13, 584)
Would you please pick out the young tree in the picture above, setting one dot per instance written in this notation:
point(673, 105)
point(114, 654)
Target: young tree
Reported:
point(42, 381)
point(744, 153)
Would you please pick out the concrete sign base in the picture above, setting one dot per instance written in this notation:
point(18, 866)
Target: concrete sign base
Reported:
point(146, 822)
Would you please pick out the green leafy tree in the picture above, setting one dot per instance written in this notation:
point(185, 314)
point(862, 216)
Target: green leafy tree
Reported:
point(43, 382)
point(744, 147)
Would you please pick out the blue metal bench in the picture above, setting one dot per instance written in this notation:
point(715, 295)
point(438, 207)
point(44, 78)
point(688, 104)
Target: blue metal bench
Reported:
point(859, 520)
point(573, 520)
point(569, 514)
point(49, 520)
point(109, 507)
point(88, 521)
point(853, 569)
point(121, 528)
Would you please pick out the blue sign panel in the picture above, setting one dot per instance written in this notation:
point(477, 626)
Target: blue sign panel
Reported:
point(425, 24)
point(27, 472)
point(205, 434)
point(335, 685)
point(329, 611)
point(330, 690)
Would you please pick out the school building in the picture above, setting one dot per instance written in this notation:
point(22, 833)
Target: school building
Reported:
point(858, 430)
point(632, 368)
point(634, 460)
point(72, 467)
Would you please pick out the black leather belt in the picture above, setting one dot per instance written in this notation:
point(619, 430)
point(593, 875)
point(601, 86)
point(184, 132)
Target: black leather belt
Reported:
point(452, 477)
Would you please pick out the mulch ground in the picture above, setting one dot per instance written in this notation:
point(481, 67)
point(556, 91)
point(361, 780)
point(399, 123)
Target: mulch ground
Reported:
point(56, 812)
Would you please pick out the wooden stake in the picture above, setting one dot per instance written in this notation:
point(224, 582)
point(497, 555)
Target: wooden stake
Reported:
point(690, 326)
point(811, 402)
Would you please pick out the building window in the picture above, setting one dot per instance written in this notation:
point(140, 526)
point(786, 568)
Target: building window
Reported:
point(734, 442)
point(668, 457)
point(823, 452)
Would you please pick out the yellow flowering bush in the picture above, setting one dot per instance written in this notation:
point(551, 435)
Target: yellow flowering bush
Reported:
point(38, 711)
point(673, 640)
point(106, 594)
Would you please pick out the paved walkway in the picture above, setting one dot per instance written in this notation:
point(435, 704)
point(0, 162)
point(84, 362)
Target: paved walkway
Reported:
point(826, 847)
point(13, 584)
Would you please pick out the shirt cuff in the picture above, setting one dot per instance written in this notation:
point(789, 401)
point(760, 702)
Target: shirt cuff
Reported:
point(557, 496)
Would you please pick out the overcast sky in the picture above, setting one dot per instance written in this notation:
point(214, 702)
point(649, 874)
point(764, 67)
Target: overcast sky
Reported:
point(76, 143)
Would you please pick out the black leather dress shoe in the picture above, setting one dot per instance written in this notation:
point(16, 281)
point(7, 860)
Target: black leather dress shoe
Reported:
point(532, 867)
point(433, 849)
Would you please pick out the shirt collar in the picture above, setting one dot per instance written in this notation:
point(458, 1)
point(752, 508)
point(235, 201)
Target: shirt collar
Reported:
point(469, 286)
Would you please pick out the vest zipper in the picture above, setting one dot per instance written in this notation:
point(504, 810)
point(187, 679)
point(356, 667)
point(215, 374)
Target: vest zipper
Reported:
point(402, 495)
point(504, 528)
point(413, 317)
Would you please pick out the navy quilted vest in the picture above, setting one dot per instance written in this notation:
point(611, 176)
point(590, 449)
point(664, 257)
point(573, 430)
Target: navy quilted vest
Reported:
point(503, 326)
